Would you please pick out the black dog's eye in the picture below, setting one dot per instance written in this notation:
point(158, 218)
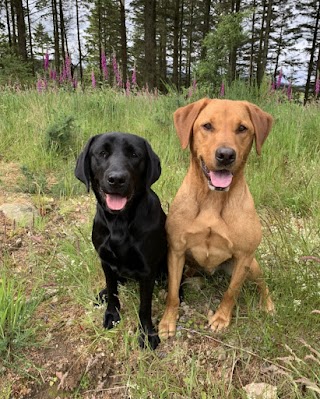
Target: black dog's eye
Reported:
point(242, 128)
point(103, 154)
point(207, 126)
point(134, 155)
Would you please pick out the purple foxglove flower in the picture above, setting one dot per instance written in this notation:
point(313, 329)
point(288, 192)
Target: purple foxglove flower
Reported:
point(93, 80)
point(52, 74)
point(222, 90)
point(128, 87)
point(194, 85)
point(317, 87)
point(104, 65)
point(67, 68)
point(278, 84)
point(46, 61)
point(134, 76)
point(39, 85)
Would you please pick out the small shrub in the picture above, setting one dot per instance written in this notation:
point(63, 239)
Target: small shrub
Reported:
point(33, 183)
point(60, 136)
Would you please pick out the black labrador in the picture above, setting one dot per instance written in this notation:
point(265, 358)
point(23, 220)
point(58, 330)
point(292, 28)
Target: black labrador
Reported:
point(129, 225)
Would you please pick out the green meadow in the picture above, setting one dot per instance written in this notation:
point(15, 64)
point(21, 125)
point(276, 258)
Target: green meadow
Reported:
point(52, 343)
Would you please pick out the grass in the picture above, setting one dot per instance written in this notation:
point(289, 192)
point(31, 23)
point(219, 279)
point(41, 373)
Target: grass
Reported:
point(16, 311)
point(57, 256)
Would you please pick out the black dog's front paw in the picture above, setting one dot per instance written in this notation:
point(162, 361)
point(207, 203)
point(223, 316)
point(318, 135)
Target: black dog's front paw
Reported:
point(101, 298)
point(111, 319)
point(148, 339)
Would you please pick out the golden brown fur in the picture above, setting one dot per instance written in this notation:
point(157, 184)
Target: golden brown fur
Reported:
point(216, 227)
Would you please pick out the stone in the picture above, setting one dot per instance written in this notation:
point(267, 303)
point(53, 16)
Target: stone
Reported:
point(21, 213)
point(261, 391)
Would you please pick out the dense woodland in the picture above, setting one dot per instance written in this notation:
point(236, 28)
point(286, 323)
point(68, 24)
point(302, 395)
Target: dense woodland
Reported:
point(163, 43)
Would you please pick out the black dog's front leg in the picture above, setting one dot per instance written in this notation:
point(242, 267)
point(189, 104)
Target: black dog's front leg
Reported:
point(147, 330)
point(111, 316)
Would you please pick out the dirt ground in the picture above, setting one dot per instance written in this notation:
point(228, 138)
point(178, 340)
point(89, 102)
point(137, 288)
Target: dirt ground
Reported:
point(63, 364)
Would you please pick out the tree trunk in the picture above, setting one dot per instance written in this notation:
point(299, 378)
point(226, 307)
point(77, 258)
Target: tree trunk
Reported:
point(56, 35)
point(21, 26)
point(62, 31)
point(233, 51)
point(175, 65)
point(206, 25)
point(123, 33)
point(79, 44)
point(266, 40)
point(190, 46)
point(13, 23)
point(8, 23)
point(180, 45)
point(100, 38)
point(278, 53)
point(312, 53)
point(163, 44)
point(251, 66)
point(30, 37)
point(150, 43)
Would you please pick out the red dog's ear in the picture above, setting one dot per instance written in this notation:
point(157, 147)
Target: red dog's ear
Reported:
point(262, 122)
point(184, 119)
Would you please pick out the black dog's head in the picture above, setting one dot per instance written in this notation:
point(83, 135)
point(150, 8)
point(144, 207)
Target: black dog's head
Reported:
point(118, 166)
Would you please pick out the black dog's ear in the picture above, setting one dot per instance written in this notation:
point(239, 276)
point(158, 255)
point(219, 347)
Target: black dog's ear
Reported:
point(82, 170)
point(153, 166)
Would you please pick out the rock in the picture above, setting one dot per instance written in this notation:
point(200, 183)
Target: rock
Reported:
point(21, 213)
point(197, 283)
point(261, 391)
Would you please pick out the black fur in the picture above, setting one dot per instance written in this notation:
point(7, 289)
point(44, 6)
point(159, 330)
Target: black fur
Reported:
point(131, 242)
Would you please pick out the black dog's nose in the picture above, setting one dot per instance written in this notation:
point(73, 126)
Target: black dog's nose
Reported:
point(116, 179)
point(225, 155)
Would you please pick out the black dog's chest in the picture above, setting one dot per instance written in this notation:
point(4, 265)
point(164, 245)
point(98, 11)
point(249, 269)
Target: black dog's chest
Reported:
point(120, 250)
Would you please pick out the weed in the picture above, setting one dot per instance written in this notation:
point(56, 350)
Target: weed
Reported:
point(32, 183)
point(16, 312)
point(60, 136)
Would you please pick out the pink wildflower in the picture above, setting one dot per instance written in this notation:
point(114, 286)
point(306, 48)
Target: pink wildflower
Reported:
point(116, 70)
point(93, 80)
point(128, 87)
point(52, 74)
point(46, 61)
point(134, 76)
point(39, 86)
point(190, 92)
point(278, 84)
point(317, 87)
point(67, 68)
point(104, 65)
point(222, 90)
point(194, 85)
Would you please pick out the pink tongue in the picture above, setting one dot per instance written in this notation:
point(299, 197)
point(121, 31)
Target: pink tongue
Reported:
point(221, 178)
point(115, 202)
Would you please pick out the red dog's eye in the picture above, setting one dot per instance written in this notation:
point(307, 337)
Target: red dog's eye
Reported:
point(242, 128)
point(207, 126)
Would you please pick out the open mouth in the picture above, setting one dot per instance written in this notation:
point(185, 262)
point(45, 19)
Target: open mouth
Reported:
point(219, 180)
point(115, 202)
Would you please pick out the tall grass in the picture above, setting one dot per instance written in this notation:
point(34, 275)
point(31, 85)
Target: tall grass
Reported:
point(16, 330)
point(285, 175)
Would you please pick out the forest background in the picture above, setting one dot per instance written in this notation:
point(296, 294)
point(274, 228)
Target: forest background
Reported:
point(161, 44)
